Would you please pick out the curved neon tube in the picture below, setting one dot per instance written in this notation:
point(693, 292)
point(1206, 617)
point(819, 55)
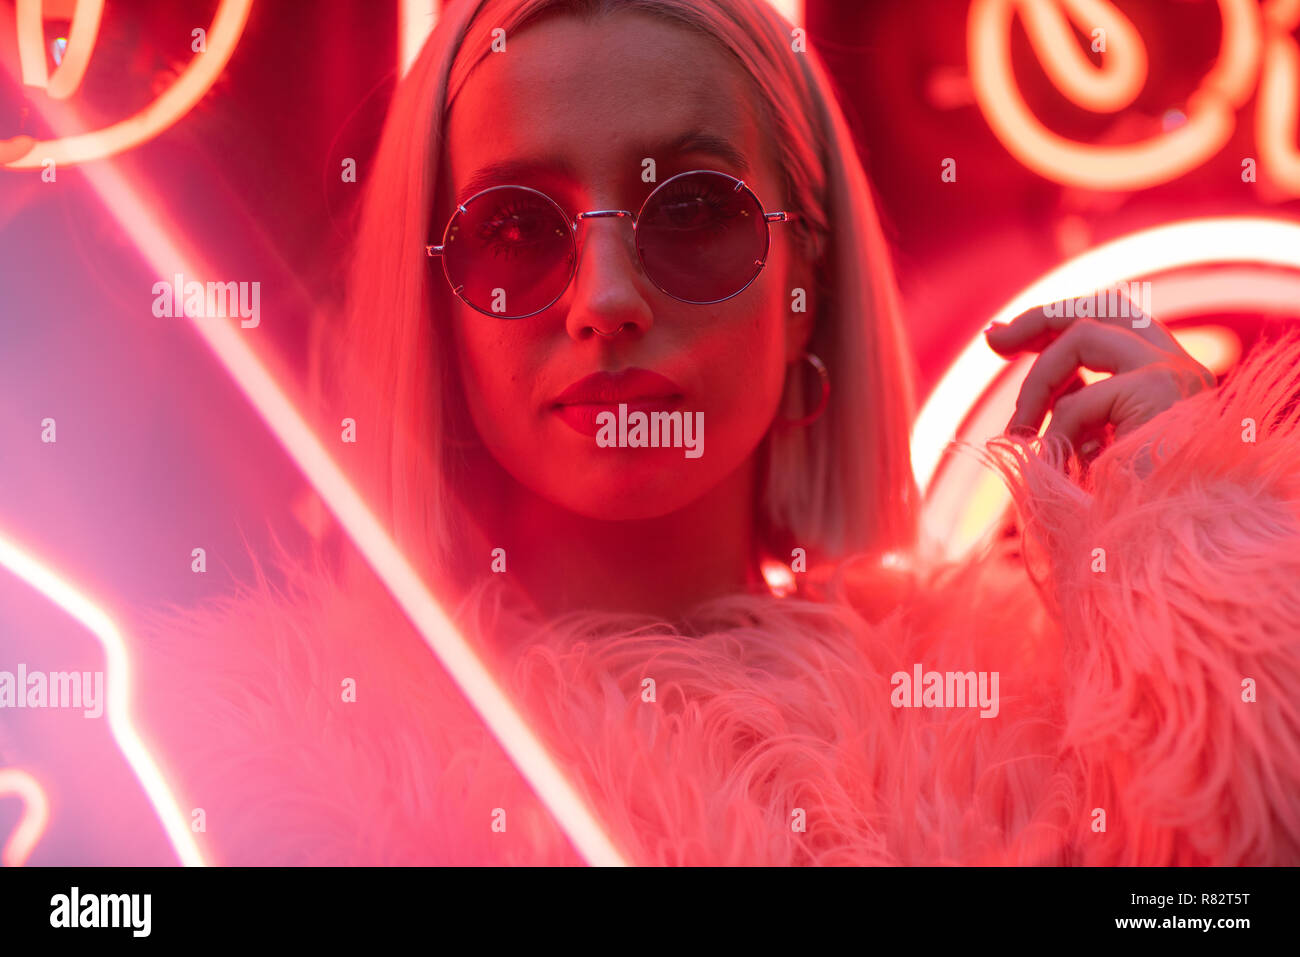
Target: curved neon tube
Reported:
point(1210, 110)
point(1191, 242)
point(67, 76)
point(118, 676)
point(177, 100)
point(15, 782)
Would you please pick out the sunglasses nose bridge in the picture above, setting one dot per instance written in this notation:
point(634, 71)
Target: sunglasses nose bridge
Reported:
point(604, 214)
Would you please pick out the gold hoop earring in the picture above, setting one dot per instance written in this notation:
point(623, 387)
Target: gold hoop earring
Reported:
point(826, 393)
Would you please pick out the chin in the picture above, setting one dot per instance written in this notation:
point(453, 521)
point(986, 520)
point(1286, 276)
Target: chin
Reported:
point(628, 498)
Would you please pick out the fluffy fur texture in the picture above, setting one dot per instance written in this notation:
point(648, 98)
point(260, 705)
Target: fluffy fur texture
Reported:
point(1120, 690)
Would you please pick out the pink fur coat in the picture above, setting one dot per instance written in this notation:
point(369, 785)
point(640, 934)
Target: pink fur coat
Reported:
point(1145, 630)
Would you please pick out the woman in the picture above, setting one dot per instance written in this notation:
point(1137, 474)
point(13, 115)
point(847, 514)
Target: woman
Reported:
point(1130, 709)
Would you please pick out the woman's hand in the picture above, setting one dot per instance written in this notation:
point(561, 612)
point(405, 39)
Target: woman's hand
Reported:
point(1150, 372)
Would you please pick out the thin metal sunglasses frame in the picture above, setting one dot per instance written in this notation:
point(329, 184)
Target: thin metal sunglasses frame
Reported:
point(780, 216)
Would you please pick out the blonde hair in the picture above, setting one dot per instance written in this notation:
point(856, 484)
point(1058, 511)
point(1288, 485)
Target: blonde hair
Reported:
point(840, 486)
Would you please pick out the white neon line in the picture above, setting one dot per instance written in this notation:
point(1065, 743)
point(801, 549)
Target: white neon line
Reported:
point(792, 10)
point(160, 249)
point(117, 667)
point(1174, 245)
point(415, 21)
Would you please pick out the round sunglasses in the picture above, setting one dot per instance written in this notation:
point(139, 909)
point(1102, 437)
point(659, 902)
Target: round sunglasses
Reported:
point(510, 251)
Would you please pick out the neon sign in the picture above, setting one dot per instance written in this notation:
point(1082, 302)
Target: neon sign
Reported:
point(62, 592)
point(24, 152)
point(15, 782)
point(972, 400)
point(1257, 49)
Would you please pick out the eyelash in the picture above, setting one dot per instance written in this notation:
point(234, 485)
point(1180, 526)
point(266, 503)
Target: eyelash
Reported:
point(680, 192)
point(711, 201)
point(491, 228)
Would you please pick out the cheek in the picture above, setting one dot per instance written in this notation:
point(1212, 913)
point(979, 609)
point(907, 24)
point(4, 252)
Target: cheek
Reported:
point(743, 358)
point(494, 372)
point(759, 325)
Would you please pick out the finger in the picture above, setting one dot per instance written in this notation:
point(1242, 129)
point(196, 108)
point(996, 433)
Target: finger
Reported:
point(1031, 331)
point(1075, 383)
point(1072, 385)
point(1085, 414)
point(1035, 328)
point(1088, 344)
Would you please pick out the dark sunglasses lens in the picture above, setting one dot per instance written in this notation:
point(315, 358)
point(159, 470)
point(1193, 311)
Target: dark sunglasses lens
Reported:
point(701, 238)
point(511, 251)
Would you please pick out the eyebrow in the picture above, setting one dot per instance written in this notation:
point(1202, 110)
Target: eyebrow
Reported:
point(510, 172)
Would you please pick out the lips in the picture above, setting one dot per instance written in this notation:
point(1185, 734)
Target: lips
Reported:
point(639, 389)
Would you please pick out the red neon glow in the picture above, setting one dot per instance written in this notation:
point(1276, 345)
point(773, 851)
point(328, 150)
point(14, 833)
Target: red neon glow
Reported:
point(194, 81)
point(1257, 44)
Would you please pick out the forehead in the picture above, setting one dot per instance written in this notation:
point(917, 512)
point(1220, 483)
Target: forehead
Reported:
point(592, 100)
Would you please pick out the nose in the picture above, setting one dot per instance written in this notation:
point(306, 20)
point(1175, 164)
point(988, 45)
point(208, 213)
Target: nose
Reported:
point(608, 294)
